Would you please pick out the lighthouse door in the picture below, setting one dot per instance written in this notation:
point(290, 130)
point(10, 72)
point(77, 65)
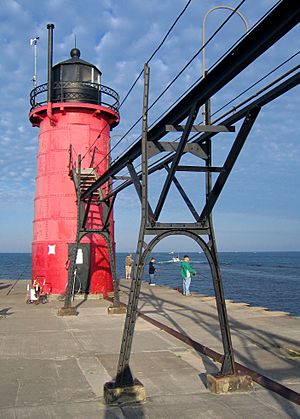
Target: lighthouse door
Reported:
point(82, 270)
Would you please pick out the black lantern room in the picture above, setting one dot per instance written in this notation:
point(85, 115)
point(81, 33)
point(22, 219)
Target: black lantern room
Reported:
point(76, 80)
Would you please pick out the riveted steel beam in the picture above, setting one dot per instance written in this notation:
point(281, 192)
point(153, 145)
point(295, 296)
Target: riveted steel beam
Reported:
point(161, 146)
point(201, 128)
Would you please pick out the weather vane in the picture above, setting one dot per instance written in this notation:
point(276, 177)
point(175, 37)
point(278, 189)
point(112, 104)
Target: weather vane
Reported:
point(33, 42)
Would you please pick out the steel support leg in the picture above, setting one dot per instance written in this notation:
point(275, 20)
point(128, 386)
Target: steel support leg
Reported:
point(116, 302)
point(124, 378)
point(68, 309)
point(228, 362)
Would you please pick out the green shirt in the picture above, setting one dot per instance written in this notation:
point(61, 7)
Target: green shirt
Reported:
point(186, 267)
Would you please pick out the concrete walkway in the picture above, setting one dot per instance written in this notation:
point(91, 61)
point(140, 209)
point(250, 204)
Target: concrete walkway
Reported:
point(55, 367)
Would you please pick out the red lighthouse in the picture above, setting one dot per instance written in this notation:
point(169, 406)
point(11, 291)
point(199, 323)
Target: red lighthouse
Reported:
point(75, 120)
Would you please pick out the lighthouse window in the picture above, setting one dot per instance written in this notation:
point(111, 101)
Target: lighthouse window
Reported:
point(85, 73)
point(56, 74)
point(70, 73)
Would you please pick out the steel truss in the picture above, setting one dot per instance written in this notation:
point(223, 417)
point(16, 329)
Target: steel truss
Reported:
point(83, 208)
point(201, 230)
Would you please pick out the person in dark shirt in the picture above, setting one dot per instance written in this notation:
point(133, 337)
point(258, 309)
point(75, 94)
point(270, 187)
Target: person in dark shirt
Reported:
point(152, 270)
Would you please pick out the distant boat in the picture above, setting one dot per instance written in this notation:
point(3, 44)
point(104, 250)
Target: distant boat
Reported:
point(172, 260)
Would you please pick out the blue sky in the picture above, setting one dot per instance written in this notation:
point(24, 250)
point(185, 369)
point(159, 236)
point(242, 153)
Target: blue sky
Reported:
point(259, 206)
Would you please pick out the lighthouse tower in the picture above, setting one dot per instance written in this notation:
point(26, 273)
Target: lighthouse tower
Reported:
point(75, 120)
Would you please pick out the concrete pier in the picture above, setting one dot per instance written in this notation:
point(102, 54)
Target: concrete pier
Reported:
point(55, 366)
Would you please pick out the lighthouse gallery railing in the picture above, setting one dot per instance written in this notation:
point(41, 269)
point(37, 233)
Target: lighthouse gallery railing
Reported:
point(70, 91)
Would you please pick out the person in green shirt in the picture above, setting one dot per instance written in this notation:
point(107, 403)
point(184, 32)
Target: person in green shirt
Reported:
point(186, 273)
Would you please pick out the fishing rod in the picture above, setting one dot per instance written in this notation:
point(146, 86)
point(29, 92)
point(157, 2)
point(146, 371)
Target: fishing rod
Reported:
point(13, 286)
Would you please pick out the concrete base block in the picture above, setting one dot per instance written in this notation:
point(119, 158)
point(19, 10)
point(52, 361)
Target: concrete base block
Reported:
point(229, 383)
point(117, 310)
point(67, 311)
point(131, 393)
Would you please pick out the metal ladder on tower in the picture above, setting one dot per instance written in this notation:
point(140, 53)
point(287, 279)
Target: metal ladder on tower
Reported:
point(87, 177)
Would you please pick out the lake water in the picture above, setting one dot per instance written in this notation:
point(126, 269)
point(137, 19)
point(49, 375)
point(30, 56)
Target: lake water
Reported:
point(268, 279)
